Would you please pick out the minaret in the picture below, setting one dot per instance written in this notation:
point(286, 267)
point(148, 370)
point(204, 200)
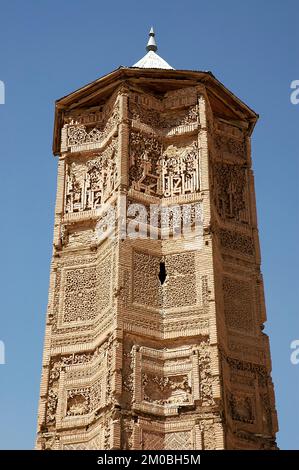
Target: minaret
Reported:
point(154, 332)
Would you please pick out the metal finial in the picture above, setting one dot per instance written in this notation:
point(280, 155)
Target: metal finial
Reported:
point(151, 44)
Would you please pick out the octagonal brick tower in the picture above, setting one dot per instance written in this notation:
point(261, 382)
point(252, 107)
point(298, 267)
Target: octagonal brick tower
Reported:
point(155, 342)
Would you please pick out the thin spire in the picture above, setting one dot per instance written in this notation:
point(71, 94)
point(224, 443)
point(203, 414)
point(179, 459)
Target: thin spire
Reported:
point(152, 60)
point(151, 44)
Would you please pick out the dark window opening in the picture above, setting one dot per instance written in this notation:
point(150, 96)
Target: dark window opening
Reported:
point(162, 273)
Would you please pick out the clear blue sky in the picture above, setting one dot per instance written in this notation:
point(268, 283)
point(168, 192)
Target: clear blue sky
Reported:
point(50, 48)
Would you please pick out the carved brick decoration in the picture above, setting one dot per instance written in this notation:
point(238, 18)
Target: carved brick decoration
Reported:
point(179, 169)
point(90, 183)
point(80, 294)
point(178, 441)
point(92, 444)
point(185, 435)
point(230, 191)
point(145, 151)
point(229, 146)
point(154, 333)
point(238, 242)
point(241, 408)
point(153, 440)
point(146, 285)
point(180, 283)
point(81, 133)
point(169, 441)
point(238, 304)
point(179, 288)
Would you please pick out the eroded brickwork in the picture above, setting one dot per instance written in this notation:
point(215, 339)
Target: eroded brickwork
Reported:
point(136, 359)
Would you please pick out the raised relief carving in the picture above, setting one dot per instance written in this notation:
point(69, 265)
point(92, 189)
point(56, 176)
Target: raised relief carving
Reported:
point(92, 444)
point(90, 183)
point(157, 386)
point(146, 284)
point(252, 352)
point(178, 118)
point(127, 434)
point(259, 371)
point(174, 171)
point(143, 114)
point(84, 400)
point(241, 408)
point(72, 359)
point(229, 191)
point(128, 373)
point(82, 292)
point(51, 406)
point(247, 378)
point(80, 297)
point(56, 365)
point(164, 123)
point(81, 136)
point(238, 304)
point(205, 293)
point(209, 434)
point(152, 440)
point(180, 440)
point(171, 220)
point(105, 273)
point(78, 402)
point(178, 288)
point(94, 437)
point(166, 390)
point(145, 151)
point(266, 411)
point(74, 193)
point(160, 381)
point(78, 236)
point(156, 167)
point(93, 371)
point(237, 242)
point(229, 146)
point(179, 170)
point(107, 222)
point(95, 184)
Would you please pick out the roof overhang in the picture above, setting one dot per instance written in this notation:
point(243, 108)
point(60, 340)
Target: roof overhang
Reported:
point(158, 80)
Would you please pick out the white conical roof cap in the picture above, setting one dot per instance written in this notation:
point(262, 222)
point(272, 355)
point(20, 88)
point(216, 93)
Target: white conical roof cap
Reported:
point(152, 60)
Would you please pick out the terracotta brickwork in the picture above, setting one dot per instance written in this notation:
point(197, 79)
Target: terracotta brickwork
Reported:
point(136, 359)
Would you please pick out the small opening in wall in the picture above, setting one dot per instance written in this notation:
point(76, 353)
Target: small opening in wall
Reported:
point(162, 273)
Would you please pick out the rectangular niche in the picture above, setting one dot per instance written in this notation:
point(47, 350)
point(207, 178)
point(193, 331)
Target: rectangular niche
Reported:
point(165, 380)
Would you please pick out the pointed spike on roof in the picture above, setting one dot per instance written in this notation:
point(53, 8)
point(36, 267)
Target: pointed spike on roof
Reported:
point(151, 44)
point(152, 60)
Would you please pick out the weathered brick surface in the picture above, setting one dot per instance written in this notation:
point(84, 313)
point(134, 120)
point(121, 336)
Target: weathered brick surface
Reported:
point(155, 342)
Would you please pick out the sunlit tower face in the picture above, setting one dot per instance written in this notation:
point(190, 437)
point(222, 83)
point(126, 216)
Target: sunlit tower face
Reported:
point(154, 328)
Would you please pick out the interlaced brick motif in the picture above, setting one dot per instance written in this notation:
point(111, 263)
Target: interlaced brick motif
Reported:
point(178, 440)
point(179, 288)
point(153, 440)
point(238, 304)
point(80, 298)
point(155, 315)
